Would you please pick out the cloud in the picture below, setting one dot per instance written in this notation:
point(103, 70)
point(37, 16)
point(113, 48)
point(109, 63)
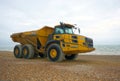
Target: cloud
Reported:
point(98, 19)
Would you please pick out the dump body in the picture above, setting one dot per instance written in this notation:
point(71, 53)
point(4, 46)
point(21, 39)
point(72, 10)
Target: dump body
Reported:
point(41, 34)
point(31, 37)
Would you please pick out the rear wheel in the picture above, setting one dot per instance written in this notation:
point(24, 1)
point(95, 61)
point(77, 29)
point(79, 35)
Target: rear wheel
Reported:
point(18, 51)
point(28, 51)
point(71, 57)
point(54, 53)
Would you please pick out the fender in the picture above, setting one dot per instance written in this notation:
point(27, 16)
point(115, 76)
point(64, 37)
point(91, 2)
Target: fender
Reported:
point(50, 42)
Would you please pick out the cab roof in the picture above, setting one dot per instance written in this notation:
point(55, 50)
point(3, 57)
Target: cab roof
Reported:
point(66, 25)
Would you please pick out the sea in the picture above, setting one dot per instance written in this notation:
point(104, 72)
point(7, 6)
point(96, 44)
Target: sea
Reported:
point(100, 50)
point(105, 50)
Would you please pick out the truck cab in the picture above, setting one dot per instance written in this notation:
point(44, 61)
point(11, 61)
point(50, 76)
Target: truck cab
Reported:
point(70, 41)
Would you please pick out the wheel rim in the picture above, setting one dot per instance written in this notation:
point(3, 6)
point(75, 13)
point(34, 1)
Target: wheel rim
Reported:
point(25, 52)
point(16, 51)
point(53, 53)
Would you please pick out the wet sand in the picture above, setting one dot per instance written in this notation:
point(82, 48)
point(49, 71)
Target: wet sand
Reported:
point(84, 68)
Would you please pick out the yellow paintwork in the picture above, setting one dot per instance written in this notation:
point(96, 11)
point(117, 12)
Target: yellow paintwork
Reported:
point(69, 47)
point(31, 36)
point(53, 53)
point(43, 33)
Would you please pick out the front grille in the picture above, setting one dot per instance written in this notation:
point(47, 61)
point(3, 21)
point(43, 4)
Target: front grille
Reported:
point(89, 42)
point(75, 37)
point(74, 41)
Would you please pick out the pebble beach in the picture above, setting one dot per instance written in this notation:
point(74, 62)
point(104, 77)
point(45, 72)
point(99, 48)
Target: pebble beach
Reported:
point(84, 68)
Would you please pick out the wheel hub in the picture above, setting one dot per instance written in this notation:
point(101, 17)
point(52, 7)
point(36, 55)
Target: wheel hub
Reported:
point(53, 53)
point(25, 51)
point(16, 51)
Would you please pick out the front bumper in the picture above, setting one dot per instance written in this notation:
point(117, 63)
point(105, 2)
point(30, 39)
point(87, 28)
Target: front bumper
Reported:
point(75, 49)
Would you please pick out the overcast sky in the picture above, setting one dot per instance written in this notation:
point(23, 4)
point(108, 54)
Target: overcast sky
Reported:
point(98, 19)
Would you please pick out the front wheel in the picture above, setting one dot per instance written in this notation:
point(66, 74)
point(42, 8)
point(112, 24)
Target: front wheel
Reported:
point(71, 57)
point(54, 53)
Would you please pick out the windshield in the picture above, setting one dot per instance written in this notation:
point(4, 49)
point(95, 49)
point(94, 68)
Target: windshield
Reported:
point(68, 30)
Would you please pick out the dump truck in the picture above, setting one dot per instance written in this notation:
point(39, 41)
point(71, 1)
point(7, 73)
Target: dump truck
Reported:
point(56, 43)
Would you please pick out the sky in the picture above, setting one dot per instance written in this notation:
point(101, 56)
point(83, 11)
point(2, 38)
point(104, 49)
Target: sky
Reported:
point(97, 19)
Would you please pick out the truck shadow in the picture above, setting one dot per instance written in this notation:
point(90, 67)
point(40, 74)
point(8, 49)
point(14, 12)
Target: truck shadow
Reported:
point(77, 61)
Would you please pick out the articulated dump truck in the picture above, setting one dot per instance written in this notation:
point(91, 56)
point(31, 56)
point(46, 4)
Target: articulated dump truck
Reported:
point(58, 43)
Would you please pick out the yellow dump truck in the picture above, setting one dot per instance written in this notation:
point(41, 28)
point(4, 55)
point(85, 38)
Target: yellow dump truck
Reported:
point(58, 43)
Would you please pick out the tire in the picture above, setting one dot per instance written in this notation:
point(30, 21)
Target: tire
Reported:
point(71, 57)
point(54, 53)
point(28, 51)
point(18, 51)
